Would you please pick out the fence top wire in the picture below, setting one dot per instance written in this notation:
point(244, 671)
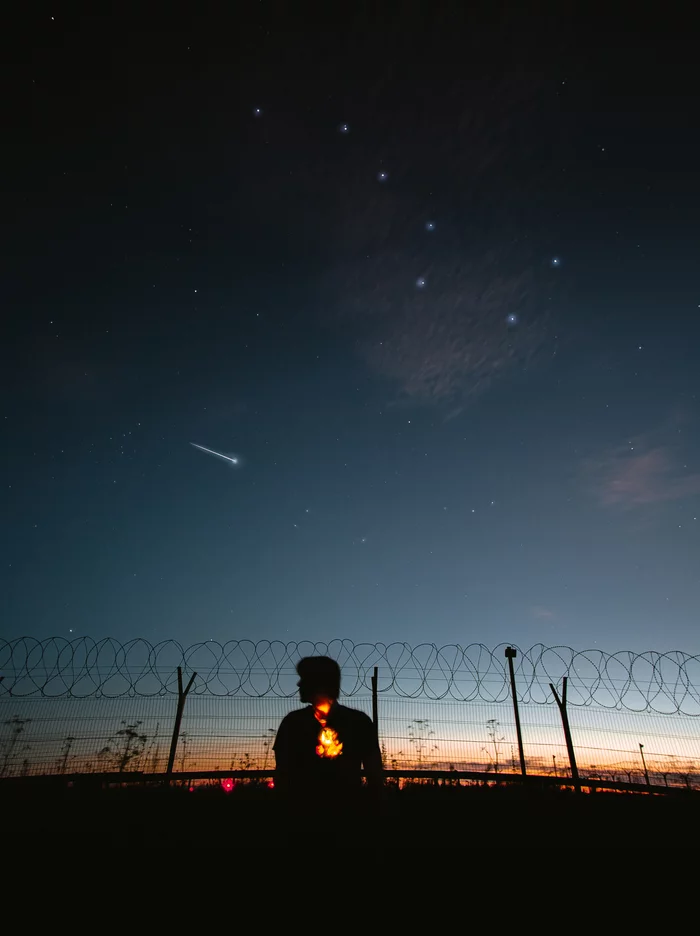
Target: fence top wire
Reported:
point(650, 681)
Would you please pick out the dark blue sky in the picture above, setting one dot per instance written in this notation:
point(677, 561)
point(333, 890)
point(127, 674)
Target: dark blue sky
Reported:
point(463, 396)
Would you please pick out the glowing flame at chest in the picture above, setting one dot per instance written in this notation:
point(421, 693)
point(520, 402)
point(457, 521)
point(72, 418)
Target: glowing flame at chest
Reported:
point(329, 744)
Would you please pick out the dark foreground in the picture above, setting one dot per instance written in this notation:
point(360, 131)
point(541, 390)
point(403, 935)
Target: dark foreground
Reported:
point(424, 817)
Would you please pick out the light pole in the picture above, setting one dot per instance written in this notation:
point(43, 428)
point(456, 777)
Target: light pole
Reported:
point(644, 764)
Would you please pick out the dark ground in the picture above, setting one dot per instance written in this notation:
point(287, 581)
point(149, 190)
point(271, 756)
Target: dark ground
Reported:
point(423, 817)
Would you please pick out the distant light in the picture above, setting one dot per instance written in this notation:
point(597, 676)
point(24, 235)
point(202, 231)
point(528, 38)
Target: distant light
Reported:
point(421, 282)
point(257, 111)
point(344, 128)
point(430, 225)
point(382, 176)
point(227, 784)
point(512, 319)
point(556, 262)
point(191, 789)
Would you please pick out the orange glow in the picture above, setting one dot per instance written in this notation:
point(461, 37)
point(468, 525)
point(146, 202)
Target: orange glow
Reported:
point(329, 745)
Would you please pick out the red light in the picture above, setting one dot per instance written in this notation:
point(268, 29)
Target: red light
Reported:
point(191, 789)
point(270, 784)
point(227, 784)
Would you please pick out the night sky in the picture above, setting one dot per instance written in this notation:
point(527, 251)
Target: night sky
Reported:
point(431, 281)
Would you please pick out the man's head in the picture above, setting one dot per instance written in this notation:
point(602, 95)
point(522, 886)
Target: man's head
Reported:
point(319, 678)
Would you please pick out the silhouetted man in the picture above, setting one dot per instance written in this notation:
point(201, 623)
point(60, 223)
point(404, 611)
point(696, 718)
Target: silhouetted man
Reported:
point(320, 750)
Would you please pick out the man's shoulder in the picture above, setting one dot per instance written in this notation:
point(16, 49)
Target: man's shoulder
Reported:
point(297, 715)
point(355, 714)
point(293, 723)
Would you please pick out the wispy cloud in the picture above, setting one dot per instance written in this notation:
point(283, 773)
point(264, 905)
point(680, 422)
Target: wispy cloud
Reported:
point(639, 473)
point(450, 340)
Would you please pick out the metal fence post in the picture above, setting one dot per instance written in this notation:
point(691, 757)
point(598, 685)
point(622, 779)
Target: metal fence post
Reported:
point(561, 702)
point(375, 717)
point(181, 696)
point(644, 764)
point(510, 654)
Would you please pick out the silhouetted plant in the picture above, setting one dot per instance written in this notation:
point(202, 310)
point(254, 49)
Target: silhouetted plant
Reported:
point(67, 745)
point(102, 756)
point(154, 750)
point(17, 727)
point(492, 729)
point(134, 744)
point(420, 732)
point(184, 743)
point(268, 741)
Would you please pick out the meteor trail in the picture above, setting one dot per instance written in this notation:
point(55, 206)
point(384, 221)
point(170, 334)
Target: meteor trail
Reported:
point(233, 459)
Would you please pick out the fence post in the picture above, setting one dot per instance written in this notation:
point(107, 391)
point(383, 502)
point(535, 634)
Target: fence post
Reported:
point(375, 718)
point(561, 702)
point(181, 696)
point(510, 654)
point(644, 764)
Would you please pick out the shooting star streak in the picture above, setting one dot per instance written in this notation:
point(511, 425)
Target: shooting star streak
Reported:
point(233, 459)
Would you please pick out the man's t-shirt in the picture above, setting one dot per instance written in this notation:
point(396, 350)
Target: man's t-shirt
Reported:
point(301, 771)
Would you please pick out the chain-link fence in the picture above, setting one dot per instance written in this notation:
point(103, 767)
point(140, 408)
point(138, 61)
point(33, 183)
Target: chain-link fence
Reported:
point(97, 707)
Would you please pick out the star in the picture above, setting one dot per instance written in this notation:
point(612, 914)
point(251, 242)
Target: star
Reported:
point(556, 262)
point(430, 225)
point(421, 282)
point(512, 319)
point(382, 176)
point(344, 128)
point(257, 112)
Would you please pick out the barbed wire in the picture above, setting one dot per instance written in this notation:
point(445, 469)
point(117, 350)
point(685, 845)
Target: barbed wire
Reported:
point(661, 682)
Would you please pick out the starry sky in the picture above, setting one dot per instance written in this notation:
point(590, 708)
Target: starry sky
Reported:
point(429, 282)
